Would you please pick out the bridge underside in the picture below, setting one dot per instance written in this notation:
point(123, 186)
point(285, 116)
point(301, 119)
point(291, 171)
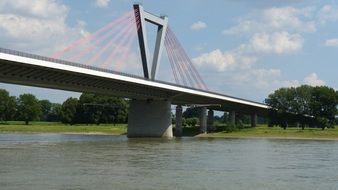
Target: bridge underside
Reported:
point(24, 74)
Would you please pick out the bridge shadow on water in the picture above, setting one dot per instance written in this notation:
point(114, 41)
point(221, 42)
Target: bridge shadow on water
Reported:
point(189, 131)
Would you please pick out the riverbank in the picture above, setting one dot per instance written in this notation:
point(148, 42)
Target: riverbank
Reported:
point(263, 131)
point(55, 127)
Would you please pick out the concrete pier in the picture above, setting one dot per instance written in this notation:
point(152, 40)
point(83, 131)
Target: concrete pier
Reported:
point(203, 120)
point(148, 118)
point(232, 117)
point(210, 121)
point(253, 120)
point(178, 128)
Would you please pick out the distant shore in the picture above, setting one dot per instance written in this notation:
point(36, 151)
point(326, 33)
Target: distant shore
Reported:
point(265, 132)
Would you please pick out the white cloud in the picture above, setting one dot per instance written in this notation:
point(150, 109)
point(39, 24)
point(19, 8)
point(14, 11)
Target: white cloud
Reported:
point(331, 42)
point(274, 19)
point(199, 25)
point(34, 8)
point(36, 26)
point(215, 60)
point(102, 3)
point(313, 80)
point(277, 42)
point(328, 14)
point(247, 54)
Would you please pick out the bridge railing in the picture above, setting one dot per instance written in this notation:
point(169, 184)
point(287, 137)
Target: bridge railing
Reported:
point(49, 59)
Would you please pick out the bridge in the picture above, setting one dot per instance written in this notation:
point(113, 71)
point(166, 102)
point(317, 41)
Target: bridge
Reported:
point(151, 99)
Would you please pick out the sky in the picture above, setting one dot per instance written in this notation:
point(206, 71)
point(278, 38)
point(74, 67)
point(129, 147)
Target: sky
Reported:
point(241, 48)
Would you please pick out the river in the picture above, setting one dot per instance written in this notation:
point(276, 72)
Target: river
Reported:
point(56, 161)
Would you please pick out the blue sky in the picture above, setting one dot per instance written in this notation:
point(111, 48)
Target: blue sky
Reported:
point(241, 48)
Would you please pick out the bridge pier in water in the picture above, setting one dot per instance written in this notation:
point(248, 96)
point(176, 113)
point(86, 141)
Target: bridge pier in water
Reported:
point(203, 120)
point(150, 118)
point(210, 121)
point(178, 128)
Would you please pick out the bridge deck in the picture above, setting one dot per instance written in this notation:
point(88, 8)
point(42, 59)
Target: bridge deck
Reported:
point(33, 70)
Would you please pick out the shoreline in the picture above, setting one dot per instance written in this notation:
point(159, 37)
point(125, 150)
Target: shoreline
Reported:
point(61, 133)
point(272, 137)
point(202, 136)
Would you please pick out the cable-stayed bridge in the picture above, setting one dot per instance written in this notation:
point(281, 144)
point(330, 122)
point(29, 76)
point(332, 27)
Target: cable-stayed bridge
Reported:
point(94, 65)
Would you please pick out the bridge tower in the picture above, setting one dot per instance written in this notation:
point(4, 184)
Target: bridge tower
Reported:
point(161, 22)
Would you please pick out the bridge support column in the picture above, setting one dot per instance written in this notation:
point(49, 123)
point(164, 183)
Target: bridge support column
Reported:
point(253, 120)
point(232, 117)
point(178, 128)
point(203, 120)
point(148, 118)
point(210, 121)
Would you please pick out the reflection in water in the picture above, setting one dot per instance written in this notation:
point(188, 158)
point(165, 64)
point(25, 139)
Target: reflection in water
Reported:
point(51, 161)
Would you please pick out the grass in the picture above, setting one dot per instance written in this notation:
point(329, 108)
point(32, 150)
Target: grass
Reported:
point(262, 131)
point(55, 127)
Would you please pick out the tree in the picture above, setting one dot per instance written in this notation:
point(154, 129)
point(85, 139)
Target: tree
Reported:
point(305, 105)
point(115, 109)
point(69, 110)
point(86, 111)
point(96, 108)
point(7, 106)
point(28, 108)
point(324, 106)
point(280, 102)
point(46, 107)
point(192, 112)
point(55, 112)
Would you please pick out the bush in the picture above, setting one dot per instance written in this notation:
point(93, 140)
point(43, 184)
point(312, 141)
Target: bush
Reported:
point(191, 121)
point(324, 123)
point(228, 128)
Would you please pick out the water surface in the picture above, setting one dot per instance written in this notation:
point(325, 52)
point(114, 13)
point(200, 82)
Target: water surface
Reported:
point(55, 161)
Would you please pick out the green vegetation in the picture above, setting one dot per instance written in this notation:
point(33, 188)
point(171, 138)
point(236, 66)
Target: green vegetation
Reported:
point(28, 108)
point(304, 105)
point(263, 131)
point(56, 127)
point(88, 109)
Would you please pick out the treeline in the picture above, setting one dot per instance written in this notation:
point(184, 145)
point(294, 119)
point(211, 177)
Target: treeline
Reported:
point(88, 109)
point(303, 106)
point(93, 108)
point(220, 122)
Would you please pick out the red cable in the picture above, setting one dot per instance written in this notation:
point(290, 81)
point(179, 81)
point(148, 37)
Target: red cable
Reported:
point(175, 61)
point(97, 41)
point(109, 44)
point(181, 59)
point(118, 47)
point(128, 46)
point(184, 58)
point(192, 66)
point(80, 41)
point(170, 60)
